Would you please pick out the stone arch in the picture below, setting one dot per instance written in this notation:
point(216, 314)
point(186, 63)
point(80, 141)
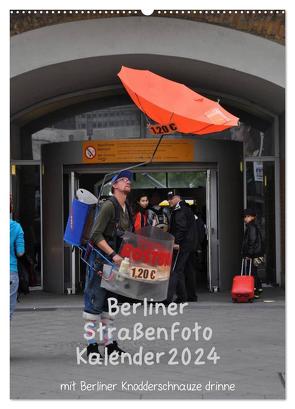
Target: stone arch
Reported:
point(57, 63)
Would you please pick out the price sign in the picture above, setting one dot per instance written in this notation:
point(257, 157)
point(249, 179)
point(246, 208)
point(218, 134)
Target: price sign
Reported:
point(158, 129)
point(140, 273)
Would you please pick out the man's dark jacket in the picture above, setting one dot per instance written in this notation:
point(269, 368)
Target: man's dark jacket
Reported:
point(252, 242)
point(183, 227)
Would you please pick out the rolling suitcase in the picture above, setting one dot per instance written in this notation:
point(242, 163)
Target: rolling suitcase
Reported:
point(243, 285)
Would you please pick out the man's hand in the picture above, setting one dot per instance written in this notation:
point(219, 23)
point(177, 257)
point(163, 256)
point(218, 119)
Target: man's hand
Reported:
point(176, 247)
point(117, 259)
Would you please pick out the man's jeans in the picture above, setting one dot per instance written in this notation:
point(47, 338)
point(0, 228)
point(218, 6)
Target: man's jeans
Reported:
point(14, 281)
point(95, 297)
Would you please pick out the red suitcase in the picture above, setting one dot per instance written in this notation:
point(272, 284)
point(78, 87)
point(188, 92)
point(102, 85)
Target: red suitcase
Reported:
point(243, 285)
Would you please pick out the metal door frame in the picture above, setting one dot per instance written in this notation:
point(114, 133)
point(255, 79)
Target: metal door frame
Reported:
point(73, 186)
point(73, 254)
point(213, 270)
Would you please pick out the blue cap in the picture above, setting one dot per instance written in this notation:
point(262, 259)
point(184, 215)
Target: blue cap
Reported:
point(122, 174)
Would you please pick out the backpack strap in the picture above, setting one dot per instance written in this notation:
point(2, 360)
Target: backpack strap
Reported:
point(130, 217)
point(117, 210)
point(117, 207)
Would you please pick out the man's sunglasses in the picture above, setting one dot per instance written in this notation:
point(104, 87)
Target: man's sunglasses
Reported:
point(123, 180)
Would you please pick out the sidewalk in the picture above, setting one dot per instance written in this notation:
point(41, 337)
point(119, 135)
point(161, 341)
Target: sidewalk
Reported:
point(248, 338)
point(41, 300)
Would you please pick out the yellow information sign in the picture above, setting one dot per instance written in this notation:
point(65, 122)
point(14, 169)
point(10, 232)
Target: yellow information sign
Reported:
point(138, 150)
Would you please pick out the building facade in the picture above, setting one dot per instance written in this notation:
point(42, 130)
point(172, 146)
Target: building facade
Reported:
point(65, 94)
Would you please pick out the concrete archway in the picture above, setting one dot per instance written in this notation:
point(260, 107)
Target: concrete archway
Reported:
point(55, 66)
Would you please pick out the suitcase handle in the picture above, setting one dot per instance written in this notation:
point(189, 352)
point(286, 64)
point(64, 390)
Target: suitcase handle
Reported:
point(242, 268)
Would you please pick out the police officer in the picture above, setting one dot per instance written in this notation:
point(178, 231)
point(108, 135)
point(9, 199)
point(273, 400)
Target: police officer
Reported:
point(106, 235)
point(183, 228)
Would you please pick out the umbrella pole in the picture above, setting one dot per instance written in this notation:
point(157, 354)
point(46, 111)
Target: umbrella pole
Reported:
point(131, 167)
point(156, 148)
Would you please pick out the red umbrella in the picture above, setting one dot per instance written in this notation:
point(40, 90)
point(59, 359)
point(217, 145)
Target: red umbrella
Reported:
point(175, 107)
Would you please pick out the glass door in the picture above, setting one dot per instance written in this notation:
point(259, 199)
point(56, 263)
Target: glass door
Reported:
point(260, 194)
point(26, 194)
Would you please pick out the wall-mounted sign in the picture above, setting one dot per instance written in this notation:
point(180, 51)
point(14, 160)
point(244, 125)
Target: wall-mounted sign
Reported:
point(90, 152)
point(137, 150)
point(258, 171)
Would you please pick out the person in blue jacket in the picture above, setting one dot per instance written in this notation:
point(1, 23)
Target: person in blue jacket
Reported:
point(17, 249)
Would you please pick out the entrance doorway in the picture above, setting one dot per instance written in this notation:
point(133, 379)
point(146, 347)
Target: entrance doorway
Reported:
point(197, 187)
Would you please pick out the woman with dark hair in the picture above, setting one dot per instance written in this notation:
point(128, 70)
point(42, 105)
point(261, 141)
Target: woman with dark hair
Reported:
point(143, 216)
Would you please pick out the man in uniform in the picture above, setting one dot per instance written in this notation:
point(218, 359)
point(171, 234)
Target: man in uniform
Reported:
point(183, 228)
point(106, 236)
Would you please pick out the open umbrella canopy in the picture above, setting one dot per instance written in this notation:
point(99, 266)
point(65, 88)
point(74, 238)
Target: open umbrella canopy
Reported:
point(173, 106)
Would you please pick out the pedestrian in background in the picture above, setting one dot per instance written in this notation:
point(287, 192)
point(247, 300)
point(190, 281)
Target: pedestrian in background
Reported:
point(252, 247)
point(183, 228)
point(17, 249)
point(143, 215)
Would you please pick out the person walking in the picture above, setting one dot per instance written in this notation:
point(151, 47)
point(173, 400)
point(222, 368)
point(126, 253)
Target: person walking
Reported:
point(17, 249)
point(143, 215)
point(183, 228)
point(252, 246)
point(106, 236)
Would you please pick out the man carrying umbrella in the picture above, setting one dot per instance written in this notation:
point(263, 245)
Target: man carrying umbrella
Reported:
point(183, 228)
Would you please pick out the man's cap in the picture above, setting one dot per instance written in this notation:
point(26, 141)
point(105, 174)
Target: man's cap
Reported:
point(173, 193)
point(249, 212)
point(123, 174)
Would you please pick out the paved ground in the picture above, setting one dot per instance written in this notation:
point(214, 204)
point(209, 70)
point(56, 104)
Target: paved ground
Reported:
point(249, 338)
